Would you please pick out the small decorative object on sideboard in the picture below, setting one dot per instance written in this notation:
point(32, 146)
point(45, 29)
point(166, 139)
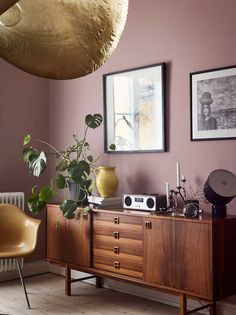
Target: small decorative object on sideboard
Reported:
point(106, 180)
point(144, 202)
point(220, 189)
point(189, 197)
point(191, 208)
point(102, 202)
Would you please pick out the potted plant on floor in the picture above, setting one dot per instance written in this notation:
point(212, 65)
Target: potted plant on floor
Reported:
point(74, 169)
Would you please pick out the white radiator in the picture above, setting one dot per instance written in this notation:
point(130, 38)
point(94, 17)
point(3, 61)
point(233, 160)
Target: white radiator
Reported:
point(15, 198)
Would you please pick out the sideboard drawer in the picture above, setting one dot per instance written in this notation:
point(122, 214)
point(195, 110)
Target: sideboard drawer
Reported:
point(117, 218)
point(125, 264)
point(125, 246)
point(121, 230)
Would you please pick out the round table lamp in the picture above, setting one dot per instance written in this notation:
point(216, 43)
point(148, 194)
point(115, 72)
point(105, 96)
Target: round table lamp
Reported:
point(220, 189)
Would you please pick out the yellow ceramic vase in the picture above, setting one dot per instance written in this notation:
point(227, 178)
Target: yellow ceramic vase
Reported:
point(106, 181)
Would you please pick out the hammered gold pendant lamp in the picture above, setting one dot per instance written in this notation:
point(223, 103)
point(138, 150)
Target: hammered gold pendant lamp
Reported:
point(60, 39)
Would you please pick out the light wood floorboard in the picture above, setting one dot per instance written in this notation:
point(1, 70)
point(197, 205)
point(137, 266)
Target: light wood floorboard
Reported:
point(46, 295)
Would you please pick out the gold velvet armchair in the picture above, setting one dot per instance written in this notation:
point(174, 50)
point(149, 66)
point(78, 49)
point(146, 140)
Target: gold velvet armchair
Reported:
point(18, 236)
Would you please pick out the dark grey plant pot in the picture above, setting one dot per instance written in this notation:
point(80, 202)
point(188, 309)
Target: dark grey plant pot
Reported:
point(74, 190)
point(77, 194)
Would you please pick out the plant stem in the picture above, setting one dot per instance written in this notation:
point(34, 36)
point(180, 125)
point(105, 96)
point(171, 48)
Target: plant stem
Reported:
point(52, 147)
point(79, 152)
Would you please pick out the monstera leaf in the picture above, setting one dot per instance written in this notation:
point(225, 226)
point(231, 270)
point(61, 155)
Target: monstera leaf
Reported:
point(36, 160)
point(93, 121)
point(35, 205)
point(60, 181)
point(26, 139)
point(37, 163)
point(79, 171)
point(46, 193)
point(37, 201)
point(62, 166)
point(68, 208)
point(28, 153)
point(112, 147)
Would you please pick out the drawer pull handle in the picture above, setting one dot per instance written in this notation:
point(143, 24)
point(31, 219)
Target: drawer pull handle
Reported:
point(116, 235)
point(116, 220)
point(116, 250)
point(117, 265)
point(148, 224)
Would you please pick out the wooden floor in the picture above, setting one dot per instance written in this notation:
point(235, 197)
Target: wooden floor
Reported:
point(46, 294)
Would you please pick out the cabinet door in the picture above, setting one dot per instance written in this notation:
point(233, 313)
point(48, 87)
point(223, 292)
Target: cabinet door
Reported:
point(68, 241)
point(78, 249)
point(178, 254)
point(158, 252)
point(193, 255)
point(56, 234)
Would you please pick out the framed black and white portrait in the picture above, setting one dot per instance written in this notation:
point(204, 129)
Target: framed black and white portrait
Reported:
point(134, 107)
point(213, 104)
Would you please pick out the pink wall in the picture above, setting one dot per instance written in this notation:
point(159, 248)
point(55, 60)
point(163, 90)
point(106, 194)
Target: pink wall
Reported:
point(188, 36)
point(24, 104)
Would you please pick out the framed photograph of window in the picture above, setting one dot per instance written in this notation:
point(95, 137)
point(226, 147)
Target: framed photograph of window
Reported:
point(134, 109)
point(213, 104)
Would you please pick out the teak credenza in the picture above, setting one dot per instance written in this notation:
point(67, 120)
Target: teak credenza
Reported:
point(190, 257)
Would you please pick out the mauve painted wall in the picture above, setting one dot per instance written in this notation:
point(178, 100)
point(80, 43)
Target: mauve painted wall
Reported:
point(188, 36)
point(24, 104)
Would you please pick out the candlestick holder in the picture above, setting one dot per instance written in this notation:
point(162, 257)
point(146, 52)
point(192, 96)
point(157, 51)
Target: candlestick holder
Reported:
point(173, 195)
point(182, 191)
point(173, 199)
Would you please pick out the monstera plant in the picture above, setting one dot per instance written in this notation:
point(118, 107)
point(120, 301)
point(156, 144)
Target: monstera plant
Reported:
point(74, 168)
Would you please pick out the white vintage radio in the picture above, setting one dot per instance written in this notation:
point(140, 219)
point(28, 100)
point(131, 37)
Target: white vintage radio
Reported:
point(143, 202)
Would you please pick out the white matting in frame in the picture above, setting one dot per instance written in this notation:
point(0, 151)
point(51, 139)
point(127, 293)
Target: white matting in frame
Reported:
point(213, 104)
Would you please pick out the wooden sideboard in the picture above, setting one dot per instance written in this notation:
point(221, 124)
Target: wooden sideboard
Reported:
point(190, 257)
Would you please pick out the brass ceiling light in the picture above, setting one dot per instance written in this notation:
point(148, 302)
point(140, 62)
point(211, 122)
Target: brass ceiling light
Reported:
point(12, 16)
point(61, 39)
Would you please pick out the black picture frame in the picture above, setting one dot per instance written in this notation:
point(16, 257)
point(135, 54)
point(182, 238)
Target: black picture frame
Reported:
point(135, 109)
point(213, 104)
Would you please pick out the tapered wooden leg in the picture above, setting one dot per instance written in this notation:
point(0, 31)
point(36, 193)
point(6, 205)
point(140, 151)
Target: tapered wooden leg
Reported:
point(213, 309)
point(67, 280)
point(183, 305)
point(98, 282)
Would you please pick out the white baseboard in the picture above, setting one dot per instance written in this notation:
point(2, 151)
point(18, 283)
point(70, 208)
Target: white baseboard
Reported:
point(29, 269)
point(74, 274)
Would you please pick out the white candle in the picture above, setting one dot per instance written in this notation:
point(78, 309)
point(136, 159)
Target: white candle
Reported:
point(178, 174)
point(167, 194)
point(183, 177)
